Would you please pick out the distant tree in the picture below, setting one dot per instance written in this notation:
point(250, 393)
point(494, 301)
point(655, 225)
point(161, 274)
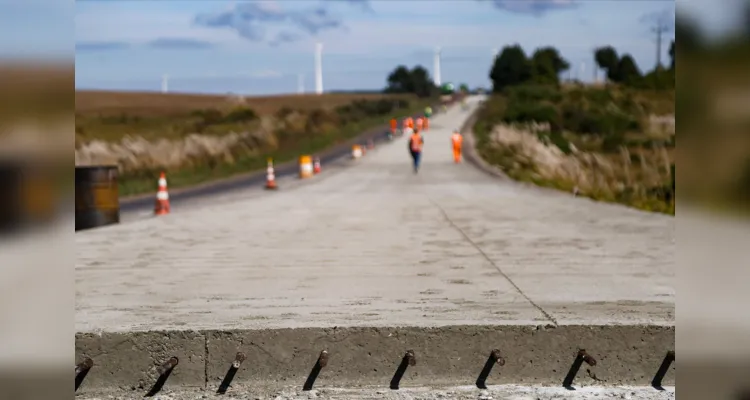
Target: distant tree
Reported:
point(399, 81)
point(416, 81)
point(511, 68)
point(421, 81)
point(464, 88)
point(547, 64)
point(627, 71)
point(607, 59)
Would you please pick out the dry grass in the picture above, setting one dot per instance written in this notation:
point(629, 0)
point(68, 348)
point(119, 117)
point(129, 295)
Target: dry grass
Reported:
point(524, 156)
point(104, 103)
point(196, 138)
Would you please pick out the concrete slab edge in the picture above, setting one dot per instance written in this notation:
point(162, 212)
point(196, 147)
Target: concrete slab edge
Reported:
point(357, 357)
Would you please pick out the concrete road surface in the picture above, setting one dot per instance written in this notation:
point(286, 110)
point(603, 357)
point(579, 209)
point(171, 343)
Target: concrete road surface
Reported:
point(369, 243)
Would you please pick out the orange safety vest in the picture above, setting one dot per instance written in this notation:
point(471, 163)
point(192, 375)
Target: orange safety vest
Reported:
point(415, 142)
point(410, 122)
point(457, 140)
point(420, 122)
point(394, 124)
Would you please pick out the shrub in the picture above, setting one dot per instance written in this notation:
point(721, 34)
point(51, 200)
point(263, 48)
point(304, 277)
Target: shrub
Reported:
point(239, 115)
point(532, 112)
point(534, 93)
point(613, 142)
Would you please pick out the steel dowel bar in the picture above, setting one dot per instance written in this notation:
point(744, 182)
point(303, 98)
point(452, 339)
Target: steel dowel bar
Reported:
point(494, 358)
point(224, 386)
point(164, 371)
point(663, 368)
point(320, 363)
point(581, 357)
point(409, 359)
point(82, 369)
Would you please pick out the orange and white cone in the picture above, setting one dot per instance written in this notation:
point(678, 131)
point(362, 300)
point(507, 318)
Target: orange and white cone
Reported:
point(161, 207)
point(270, 176)
point(316, 166)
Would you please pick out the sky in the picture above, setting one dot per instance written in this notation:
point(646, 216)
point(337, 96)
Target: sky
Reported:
point(262, 47)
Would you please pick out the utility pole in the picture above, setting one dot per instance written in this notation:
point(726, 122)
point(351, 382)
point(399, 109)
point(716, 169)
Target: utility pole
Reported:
point(662, 24)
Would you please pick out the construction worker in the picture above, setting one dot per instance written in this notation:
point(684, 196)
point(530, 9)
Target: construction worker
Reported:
point(420, 123)
point(416, 142)
point(457, 141)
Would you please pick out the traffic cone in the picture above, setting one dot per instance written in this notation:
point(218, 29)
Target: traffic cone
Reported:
point(270, 176)
point(316, 165)
point(161, 207)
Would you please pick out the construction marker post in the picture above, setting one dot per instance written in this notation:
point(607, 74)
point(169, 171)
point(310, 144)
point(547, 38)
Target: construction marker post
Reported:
point(270, 176)
point(305, 167)
point(316, 166)
point(356, 151)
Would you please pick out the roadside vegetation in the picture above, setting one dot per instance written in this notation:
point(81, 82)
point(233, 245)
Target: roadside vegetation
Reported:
point(197, 138)
point(611, 142)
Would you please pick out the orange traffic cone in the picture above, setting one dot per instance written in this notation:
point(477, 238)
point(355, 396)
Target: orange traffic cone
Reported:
point(270, 176)
point(316, 165)
point(161, 207)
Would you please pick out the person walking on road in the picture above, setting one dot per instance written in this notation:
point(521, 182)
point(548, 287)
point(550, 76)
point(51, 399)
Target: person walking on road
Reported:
point(457, 141)
point(416, 142)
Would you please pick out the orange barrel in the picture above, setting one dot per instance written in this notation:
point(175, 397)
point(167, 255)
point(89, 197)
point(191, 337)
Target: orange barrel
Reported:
point(356, 151)
point(97, 197)
point(305, 167)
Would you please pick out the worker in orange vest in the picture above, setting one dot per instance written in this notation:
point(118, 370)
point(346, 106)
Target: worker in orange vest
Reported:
point(420, 123)
point(457, 141)
point(394, 127)
point(416, 142)
point(410, 122)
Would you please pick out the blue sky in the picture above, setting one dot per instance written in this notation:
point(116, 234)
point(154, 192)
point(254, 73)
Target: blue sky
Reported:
point(260, 47)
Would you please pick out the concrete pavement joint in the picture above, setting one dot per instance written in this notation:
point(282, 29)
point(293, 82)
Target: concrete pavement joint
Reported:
point(486, 257)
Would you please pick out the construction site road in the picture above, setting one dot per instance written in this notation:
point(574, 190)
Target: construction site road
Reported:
point(369, 259)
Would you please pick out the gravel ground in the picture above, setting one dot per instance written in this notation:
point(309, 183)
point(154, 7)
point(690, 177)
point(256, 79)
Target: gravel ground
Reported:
point(507, 392)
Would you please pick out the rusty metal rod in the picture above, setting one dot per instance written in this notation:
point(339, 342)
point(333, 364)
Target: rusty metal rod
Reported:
point(82, 369)
point(164, 371)
point(224, 386)
point(663, 369)
point(320, 363)
point(494, 358)
point(581, 357)
point(409, 359)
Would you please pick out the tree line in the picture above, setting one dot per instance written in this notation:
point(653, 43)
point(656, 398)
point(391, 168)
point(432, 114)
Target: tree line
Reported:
point(512, 67)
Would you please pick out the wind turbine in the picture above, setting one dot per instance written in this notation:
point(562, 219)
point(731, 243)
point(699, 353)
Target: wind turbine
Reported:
point(438, 80)
point(319, 68)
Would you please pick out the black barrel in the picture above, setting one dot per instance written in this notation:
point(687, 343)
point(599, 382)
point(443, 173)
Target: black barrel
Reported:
point(27, 195)
point(97, 197)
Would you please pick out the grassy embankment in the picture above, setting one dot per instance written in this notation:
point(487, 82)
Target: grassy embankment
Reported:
point(196, 139)
point(609, 144)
